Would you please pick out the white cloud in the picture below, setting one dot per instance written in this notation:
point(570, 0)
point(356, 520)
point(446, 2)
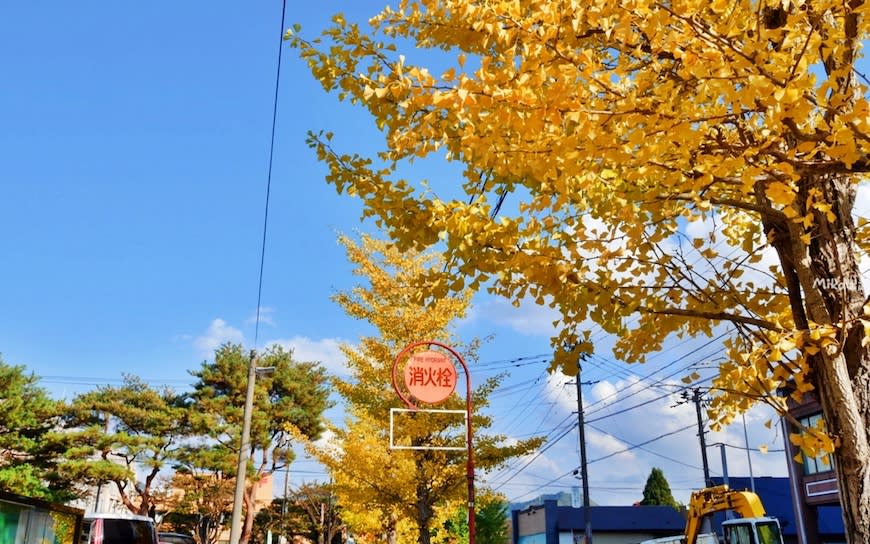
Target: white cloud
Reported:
point(607, 444)
point(635, 414)
point(219, 332)
point(266, 318)
point(328, 443)
point(529, 319)
point(326, 351)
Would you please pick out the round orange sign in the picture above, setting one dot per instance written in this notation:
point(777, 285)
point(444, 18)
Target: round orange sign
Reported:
point(430, 376)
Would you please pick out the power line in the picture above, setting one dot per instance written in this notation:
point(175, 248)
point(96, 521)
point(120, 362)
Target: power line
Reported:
point(644, 403)
point(539, 453)
point(269, 176)
point(560, 427)
point(660, 380)
point(542, 450)
point(636, 446)
point(235, 522)
point(96, 380)
point(554, 480)
point(640, 447)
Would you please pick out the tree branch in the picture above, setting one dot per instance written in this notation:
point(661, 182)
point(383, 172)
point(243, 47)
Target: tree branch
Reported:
point(716, 316)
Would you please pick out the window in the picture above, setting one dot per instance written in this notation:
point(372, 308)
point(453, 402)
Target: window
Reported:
point(738, 534)
point(821, 463)
point(768, 533)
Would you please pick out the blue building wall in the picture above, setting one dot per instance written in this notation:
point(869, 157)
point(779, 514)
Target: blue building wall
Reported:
point(651, 520)
point(776, 498)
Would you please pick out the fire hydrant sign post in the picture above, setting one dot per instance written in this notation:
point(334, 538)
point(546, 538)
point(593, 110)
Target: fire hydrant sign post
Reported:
point(430, 377)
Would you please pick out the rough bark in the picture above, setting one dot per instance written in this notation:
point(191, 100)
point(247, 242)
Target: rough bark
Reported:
point(424, 513)
point(833, 295)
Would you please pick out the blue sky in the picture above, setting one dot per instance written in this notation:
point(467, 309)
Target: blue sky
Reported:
point(135, 145)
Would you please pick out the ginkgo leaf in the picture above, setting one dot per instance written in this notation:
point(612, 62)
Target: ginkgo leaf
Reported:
point(600, 146)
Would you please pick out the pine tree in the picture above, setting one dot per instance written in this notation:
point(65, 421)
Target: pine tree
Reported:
point(126, 436)
point(289, 400)
point(31, 452)
point(657, 492)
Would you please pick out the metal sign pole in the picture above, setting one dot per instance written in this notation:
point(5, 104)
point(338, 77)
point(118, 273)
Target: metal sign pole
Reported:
point(469, 434)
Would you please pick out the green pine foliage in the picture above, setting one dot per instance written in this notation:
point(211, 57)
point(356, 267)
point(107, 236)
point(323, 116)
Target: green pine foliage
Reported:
point(30, 450)
point(289, 401)
point(118, 431)
point(657, 491)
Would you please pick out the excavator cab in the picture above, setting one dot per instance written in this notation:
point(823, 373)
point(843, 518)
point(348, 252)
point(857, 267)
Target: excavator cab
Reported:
point(760, 530)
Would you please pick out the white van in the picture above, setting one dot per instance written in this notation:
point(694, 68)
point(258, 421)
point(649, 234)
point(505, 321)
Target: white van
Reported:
point(118, 529)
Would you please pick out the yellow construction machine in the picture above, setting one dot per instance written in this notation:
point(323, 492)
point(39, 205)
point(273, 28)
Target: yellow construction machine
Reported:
point(752, 527)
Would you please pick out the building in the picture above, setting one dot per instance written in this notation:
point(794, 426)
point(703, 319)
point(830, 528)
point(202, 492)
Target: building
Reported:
point(25, 520)
point(818, 517)
point(775, 496)
point(550, 523)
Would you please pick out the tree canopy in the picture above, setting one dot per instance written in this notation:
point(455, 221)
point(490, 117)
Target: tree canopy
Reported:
point(31, 450)
point(289, 401)
point(310, 512)
point(383, 490)
point(648, 169)
point(118, 431)
point(657, 491)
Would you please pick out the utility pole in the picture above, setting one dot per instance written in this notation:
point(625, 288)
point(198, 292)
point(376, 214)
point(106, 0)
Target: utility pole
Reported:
point(583, 474)
point(748, 456)
point(697, 399)
point(286, 488)
point(244, 448)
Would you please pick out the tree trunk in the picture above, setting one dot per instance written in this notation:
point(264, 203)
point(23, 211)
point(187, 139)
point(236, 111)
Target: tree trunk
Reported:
point(424, 513)
point(248, 517)
point(833, 295)
point(392, 533)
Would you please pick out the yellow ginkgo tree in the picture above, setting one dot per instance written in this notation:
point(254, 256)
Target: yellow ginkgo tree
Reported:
point(650, 168)
point(403, 495)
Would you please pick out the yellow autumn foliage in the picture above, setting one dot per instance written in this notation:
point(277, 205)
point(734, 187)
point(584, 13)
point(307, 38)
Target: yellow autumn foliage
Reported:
point(599, 138)
point(402, 494)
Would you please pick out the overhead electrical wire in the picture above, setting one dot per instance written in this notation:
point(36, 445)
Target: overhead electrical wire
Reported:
point(657, 371)
point(564, 431)
point(640, 447)
point(540, 452)
point(644, 403)
point(535, 457)
point(559, 428)
point(269, 177)
point(636, 446)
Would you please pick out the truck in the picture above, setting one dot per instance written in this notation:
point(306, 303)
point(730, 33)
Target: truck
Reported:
point(752, 527)
point(115, 528)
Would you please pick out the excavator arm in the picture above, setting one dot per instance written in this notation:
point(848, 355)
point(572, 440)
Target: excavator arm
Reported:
point(717, 499)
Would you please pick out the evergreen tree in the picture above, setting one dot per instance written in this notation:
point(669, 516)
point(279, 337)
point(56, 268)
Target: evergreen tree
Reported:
point(126, 436)
point(657, 492)
point(288, 401)
point(30, 447)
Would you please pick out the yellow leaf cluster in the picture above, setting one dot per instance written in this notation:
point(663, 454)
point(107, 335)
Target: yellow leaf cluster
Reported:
point(598, 138)
point(380, 488)
point(814, 442)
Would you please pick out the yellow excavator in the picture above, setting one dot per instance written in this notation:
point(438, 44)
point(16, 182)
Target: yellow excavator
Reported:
point(752, 527)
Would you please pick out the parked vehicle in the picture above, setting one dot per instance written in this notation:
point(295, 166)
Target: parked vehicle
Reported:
point(175, 538)
point(753, 527)
point(118, 529)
